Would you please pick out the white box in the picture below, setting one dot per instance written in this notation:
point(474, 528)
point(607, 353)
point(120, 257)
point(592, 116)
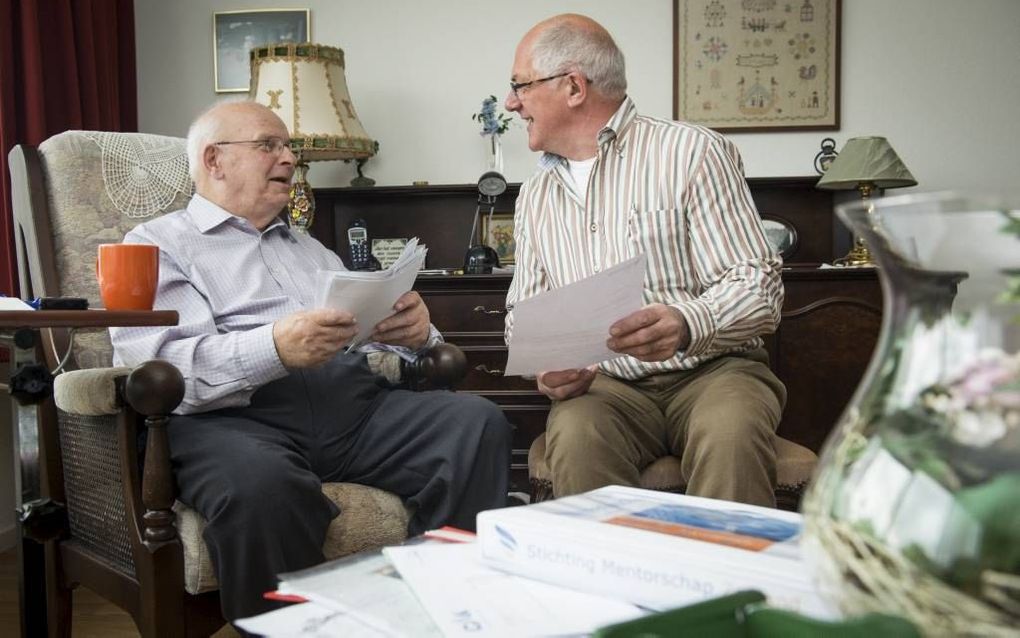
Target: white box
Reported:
point(687, 549)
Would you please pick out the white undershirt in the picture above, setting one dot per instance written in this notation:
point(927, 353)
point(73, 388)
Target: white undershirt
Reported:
point(580, 171)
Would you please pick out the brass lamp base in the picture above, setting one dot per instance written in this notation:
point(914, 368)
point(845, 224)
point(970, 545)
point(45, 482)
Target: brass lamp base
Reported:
point(859, 256)
point(301, 207)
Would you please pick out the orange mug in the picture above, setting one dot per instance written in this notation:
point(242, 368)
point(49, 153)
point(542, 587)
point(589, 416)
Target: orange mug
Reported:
point(128, 274)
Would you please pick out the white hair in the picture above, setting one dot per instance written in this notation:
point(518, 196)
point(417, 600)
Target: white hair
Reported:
point(203, 132)
point(593, 52)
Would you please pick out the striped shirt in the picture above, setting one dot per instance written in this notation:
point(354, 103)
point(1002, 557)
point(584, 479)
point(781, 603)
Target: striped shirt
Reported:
point(229, 282)
point(671, 190)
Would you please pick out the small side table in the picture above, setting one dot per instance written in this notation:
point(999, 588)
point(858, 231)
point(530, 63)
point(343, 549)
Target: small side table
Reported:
point(19, 331)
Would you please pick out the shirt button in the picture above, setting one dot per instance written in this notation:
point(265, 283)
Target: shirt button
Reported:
point(593, 227)
point(598, 269)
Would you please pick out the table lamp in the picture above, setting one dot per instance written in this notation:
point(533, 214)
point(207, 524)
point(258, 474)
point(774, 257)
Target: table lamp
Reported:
point(481, 258)
point(865, 163)
point(304, 84)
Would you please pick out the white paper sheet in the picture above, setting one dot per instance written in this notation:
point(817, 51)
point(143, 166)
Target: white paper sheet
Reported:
point(308, 620)
point(370, 296)
point(366, 586)
point(568, 327)
point(466, 598)
point(13, 303)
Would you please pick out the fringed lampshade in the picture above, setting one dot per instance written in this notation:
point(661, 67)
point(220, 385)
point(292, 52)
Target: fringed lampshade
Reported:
point(305, 85)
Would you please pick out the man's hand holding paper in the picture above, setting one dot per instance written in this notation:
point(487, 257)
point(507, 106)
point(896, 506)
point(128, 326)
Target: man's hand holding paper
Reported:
point(311, 337)
point(654, 333)
point(566, 384)
point(408, 326)
point(382, 301)
point(567, 329)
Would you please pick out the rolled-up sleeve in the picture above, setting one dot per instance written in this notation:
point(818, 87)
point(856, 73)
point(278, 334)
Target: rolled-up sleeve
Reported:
point(739, 274)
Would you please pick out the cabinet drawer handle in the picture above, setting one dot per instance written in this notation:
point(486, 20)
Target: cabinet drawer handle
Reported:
point(495, 372)
point(484, 310)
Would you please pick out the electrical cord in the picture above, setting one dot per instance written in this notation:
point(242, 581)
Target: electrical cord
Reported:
point(67, 355)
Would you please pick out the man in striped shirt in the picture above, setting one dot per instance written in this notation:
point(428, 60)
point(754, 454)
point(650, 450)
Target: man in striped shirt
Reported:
point(692, 380)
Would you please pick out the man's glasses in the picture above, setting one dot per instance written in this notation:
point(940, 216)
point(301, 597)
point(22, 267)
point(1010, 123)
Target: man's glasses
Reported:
point(272, 145)
point(517, 86)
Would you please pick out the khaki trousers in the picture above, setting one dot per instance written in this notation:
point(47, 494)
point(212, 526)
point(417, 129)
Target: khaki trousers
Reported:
point(719, 419)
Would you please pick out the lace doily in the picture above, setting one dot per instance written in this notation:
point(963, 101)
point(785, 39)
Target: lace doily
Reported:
point(143, 174)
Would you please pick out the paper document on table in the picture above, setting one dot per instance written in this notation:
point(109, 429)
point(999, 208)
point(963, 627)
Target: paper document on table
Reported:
point(568, 327)
point(370, 296)
point(308, 620)
point(466, 598)
point(366, 586)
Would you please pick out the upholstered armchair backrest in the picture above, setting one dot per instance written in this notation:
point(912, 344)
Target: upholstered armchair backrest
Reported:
point(98, 186)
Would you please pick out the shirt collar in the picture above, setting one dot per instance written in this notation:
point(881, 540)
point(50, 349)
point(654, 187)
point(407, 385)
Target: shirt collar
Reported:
point(614, 132)
point(206, 216)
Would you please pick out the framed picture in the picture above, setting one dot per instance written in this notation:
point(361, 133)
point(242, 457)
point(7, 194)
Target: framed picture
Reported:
point(781, 234)
point(757, 65)
point(498, 232)
point(235, 33)
point(388, 250)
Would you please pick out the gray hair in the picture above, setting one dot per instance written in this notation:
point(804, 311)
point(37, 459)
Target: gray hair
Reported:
point(594, 53)
point(203, 132)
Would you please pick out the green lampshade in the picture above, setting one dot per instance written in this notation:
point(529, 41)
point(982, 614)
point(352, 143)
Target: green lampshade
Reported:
point(869, 160)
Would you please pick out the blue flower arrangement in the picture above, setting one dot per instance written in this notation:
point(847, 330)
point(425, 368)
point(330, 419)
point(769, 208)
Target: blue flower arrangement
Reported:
point(492, 123)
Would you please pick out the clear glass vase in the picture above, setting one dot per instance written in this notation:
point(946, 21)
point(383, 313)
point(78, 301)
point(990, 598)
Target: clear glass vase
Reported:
point(493, 152)
point(915, 509)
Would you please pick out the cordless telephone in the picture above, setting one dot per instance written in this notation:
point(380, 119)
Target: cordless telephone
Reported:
point(357, 239)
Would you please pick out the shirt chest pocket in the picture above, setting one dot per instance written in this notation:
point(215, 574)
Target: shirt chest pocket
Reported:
point(657, 232)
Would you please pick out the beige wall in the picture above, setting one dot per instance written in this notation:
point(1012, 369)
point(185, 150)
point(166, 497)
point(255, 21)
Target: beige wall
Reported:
point(939, 78)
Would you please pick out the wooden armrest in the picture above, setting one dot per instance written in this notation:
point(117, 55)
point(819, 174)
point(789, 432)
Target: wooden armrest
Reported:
point(154, 390)
point(440, 366)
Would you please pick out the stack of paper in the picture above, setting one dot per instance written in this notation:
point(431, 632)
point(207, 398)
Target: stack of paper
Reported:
point(367, 590)
point(654, 549)
point(466, 598)
point(427, 589)
point(370, 296)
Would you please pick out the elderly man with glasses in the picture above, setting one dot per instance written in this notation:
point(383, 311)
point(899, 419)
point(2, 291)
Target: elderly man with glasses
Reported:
point(272, 404)
point(692, 378)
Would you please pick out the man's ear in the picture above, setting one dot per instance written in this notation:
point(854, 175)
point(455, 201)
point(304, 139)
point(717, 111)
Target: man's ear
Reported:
point(211, 161)
point(577, 91)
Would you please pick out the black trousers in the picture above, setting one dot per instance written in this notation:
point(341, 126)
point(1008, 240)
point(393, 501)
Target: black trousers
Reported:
point(255, 473)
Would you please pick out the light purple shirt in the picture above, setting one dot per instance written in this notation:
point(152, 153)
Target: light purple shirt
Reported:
point(229, 282)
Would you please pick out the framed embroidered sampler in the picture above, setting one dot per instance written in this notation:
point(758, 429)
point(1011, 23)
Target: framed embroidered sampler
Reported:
point(757, 65)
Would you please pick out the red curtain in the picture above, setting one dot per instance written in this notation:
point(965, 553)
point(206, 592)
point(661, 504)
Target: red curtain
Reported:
point(64, 64)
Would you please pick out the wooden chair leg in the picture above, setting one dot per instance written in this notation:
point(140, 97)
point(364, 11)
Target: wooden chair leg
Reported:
point(59, 597)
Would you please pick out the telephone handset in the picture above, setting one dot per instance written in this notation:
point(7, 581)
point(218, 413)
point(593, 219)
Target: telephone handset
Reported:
point(357, 239)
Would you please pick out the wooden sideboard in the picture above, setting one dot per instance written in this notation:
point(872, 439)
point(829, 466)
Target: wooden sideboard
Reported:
point(830, 324)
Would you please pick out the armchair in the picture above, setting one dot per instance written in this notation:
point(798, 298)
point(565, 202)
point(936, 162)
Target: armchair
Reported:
point(124, 536)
